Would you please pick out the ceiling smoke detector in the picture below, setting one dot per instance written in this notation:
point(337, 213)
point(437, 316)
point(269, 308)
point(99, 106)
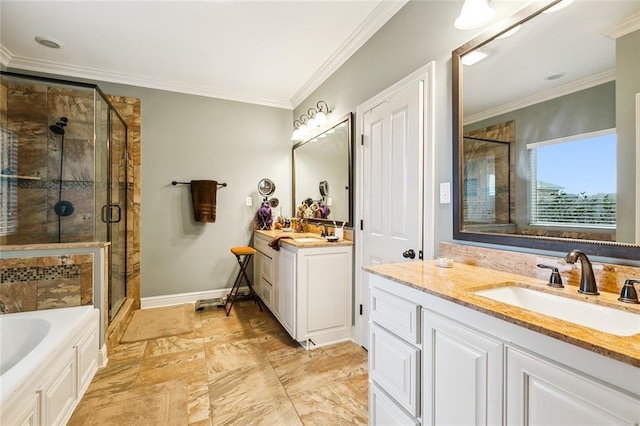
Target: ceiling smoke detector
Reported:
point(47, 42)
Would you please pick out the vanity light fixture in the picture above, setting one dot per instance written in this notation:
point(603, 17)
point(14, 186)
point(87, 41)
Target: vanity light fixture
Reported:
point(509, 33)
point(558, 6)
point(473, 57)
point(474, 14)
point(314, 118)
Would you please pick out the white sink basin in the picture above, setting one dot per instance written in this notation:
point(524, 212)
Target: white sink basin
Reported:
point(609, 320)
point(307, 240)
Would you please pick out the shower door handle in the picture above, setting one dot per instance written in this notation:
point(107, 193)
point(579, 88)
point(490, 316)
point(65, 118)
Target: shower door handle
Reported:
point(119, 210)
point(107, 213)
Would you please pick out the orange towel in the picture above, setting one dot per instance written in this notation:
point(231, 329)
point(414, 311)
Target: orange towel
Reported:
point(203, 195)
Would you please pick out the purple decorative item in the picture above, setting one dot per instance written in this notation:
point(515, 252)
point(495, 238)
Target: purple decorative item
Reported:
point(324, 211)
point(263, 217)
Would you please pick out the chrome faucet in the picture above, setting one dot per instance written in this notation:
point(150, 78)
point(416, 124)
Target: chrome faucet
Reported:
point(325, 231)
point(588, 280)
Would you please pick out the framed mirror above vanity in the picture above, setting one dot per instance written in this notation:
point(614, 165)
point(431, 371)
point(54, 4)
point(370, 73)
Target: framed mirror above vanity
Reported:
point(323, 175)
point(546, 130)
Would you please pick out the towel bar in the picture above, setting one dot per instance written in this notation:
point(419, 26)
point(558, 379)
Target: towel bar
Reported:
point(175, 182)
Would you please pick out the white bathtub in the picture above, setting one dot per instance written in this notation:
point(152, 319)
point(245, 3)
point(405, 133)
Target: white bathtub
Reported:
point(47, 357)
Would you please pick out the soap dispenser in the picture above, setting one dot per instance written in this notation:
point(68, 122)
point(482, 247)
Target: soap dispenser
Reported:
point(628, 293)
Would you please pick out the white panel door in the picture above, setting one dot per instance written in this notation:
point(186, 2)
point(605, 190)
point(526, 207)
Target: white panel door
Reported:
point(392, 190)
point(462, 374)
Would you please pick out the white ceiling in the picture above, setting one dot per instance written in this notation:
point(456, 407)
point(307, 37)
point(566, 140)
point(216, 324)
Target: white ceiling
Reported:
point(264, 52)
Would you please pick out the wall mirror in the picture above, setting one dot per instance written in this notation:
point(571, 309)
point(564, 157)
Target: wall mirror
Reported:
point(546, 139)
point(322, 174)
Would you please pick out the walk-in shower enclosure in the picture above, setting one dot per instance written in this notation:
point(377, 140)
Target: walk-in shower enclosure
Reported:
point(63, 169)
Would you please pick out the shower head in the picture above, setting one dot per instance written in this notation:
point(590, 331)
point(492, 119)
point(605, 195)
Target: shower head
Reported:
point(58, 128)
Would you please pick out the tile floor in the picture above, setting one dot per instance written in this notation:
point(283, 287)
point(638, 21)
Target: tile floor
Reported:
point(236, 370)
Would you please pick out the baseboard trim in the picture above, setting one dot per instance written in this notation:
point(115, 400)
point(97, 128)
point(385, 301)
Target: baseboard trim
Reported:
point(179, 298)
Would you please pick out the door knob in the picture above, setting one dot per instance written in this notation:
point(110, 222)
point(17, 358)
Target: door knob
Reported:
point(409, 254)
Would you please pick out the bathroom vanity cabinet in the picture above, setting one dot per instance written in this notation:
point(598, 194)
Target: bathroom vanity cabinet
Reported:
point(307, 287)
point(432, 361)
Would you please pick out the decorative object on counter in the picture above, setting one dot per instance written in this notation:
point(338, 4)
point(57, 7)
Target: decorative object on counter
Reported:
point(264, 216)
point(444, 262)
point(264, 219)
point(555, 280)
point(204, 196)
point(307, 123)
point(628, 293)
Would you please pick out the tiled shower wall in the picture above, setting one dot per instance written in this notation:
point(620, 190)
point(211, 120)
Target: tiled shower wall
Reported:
point(28, 109)
point(36, 283)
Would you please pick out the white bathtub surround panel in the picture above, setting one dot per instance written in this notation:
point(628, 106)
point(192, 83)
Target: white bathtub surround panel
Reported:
point(43, 380)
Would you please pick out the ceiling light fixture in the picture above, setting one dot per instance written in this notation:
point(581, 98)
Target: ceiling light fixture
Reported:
point(313, 119)
point(47, 42)
point(509, 33)
point(558, 6)
point(474, 14)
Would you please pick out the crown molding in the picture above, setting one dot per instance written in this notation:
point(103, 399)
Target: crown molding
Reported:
point(376, 19)
point(5, 55)
point(38, 65)
point(621, 28)
point(547, 95)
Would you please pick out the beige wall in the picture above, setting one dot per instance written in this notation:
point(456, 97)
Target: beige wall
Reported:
point(186, 137)
point(421, 32)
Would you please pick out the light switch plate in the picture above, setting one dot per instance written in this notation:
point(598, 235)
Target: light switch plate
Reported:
point(445, 193)
point(249, 201)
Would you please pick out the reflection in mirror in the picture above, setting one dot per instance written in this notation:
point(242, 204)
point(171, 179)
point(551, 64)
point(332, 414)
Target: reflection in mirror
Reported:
point(322, 175)
point(545, 130)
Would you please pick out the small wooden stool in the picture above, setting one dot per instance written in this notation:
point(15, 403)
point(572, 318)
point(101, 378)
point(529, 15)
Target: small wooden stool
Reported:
point(243, 255)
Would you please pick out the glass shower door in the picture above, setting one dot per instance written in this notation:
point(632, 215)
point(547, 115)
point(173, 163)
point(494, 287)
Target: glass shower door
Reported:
point(116, 213)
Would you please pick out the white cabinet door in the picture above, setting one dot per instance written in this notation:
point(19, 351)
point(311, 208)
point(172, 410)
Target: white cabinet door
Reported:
point(395, 366)
point(462, 374)
point(539, 392)
point(384, 411)
point(286, 291)
point(324, 294)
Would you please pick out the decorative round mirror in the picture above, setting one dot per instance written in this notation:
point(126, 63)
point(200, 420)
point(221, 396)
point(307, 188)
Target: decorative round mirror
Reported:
point(324, 188)
point(274, 202)
point(266, 187)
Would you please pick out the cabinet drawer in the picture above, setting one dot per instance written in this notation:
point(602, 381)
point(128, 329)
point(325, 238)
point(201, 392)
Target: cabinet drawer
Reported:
point(397, 315)
point(262, 245)
point(385, 411)
point(395, 366)
point(266, 269)
point(267, 291)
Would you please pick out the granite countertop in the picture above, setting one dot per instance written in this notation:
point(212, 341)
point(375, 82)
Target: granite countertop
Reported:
point(458, 283)
point(54, 246)
point(321, 242)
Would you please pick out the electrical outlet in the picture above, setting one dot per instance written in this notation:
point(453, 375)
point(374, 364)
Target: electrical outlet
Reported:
point(329, 201)
point(249, 201)
point(445, 193)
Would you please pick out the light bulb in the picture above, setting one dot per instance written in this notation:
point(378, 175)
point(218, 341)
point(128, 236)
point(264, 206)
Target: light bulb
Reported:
point(312, 123)
point(474, 14)
point(321, 118)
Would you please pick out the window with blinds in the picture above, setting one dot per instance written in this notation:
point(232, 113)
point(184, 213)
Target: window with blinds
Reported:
point(563, 188)
point(8, 182)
